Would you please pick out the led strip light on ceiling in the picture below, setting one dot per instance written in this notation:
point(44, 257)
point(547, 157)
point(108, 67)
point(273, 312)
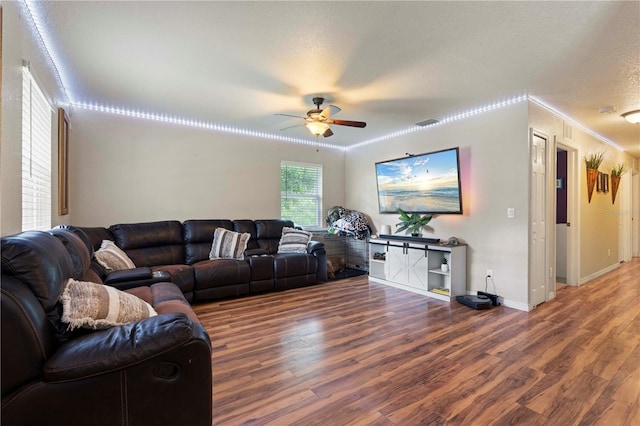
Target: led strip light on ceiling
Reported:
point(201, 124)
point(448, 119)
point(41, 38)
point(40, 35)
point(573, 122)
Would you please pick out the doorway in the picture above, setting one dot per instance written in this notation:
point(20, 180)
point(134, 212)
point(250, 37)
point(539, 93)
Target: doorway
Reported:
point(562, 222)
point(566, 223)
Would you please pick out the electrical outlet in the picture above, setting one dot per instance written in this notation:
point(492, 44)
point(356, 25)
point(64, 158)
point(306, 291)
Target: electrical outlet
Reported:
point(608, 252)
point(489, 273)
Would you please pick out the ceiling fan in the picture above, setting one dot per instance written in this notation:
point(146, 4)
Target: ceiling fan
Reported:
point(318, 120)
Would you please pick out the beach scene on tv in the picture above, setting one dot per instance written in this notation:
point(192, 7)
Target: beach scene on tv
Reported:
point(426, 183)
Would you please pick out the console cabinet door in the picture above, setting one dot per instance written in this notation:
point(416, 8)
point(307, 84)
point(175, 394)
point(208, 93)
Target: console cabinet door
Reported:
point(407, 265)
point(417, 267)
point(397, 264)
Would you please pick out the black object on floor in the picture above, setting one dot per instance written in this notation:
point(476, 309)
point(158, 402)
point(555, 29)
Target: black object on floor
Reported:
point(475, 302)
point(349, 272)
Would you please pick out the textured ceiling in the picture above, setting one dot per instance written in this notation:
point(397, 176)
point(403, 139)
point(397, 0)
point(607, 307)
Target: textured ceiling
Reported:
point(391, 64)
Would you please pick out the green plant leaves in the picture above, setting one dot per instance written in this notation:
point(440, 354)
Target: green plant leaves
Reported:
point(413, 223)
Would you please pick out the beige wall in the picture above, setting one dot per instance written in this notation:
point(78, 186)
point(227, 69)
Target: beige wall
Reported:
point(598, 221)
point(17, 46)
point(494, 169)
point(132, 170)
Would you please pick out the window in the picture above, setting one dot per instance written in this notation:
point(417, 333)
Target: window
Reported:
point(301, 193)
point(36, 156)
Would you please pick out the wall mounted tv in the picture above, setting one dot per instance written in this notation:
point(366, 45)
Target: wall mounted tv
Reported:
point(425, 183)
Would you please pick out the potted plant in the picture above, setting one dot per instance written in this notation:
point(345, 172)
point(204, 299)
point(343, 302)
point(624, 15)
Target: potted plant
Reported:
point(616, 174)
point(445, 264)
point(592, 162)
point(413, 223)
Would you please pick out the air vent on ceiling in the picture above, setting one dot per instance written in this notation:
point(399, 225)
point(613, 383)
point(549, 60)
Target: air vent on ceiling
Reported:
point(429, 122)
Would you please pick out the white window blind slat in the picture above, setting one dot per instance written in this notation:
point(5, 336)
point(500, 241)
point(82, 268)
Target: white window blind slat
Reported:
point(36, 156)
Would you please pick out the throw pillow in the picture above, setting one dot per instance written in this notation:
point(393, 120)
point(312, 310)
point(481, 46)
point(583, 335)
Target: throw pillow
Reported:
point(97, 306)
point(228, 244)
point(294, 241)
point(112, 258)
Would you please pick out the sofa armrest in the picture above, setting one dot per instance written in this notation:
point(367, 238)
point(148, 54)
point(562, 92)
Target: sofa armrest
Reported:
point(255, 252)
point(134, 274)
point(315, 246)
point(138, 277)
point(118, 348)
point(317, 249)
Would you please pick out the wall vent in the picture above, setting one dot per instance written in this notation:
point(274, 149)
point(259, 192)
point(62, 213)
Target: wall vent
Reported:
point(567, 131)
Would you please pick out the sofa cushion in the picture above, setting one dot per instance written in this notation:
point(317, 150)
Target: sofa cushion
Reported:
point(151, 243)
point(112, 257)
point(269, 232)
point(228, 244)
point(181, 275)
point(40, 261)
point(165, 298)
point(96, 235)
point(198, 235)
point(97, 306)
point(294, 240)
point(247, 225)
point(220, 273)
point(77, 249)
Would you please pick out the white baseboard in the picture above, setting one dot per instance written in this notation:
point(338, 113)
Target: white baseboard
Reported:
point(595, 275)
point(515, 305)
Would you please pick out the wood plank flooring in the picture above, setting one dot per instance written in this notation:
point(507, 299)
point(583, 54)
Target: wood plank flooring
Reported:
point(353, 353)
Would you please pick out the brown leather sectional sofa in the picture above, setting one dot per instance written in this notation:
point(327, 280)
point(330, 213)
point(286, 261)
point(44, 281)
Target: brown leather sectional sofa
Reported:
point(156, 371)
point(182, 250)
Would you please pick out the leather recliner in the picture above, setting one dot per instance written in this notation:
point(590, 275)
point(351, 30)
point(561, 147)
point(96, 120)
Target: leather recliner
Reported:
point(152, 372)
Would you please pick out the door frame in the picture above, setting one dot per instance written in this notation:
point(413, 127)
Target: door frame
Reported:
point(549, 253)
point(573, 216)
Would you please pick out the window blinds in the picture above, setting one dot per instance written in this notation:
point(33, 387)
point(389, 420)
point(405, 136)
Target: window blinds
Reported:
point(36, 156)
point(301, 193)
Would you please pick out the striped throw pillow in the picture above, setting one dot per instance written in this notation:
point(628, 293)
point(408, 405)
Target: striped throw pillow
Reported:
point(97, 306)
point(228, 244)
point(294, 241)
point(112, 257)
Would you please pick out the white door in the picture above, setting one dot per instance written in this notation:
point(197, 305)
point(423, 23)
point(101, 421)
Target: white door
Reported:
point(538, 220)
point(625, 195)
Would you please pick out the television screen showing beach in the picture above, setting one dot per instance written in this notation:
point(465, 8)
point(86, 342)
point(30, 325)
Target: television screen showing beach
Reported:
point(426, 183)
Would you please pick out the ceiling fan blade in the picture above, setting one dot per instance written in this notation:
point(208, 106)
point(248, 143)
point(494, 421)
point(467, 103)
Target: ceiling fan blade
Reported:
point(329, 111)
point(327, 133)
point(349, 123)
point(290, 127)
point(289, 115)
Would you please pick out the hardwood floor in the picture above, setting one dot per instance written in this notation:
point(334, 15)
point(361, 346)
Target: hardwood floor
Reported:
point(353, 353)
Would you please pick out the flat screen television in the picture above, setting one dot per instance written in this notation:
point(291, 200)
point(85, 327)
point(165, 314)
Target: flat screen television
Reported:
point(428, 183)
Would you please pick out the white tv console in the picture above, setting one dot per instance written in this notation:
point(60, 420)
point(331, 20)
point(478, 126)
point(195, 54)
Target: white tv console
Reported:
point(415, 265)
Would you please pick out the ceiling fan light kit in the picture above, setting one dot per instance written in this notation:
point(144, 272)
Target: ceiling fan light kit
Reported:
point(318, 120)
point(317, 128)
point(632, 116)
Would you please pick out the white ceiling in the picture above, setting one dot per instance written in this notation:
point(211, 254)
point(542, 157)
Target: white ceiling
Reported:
point(391, 64)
